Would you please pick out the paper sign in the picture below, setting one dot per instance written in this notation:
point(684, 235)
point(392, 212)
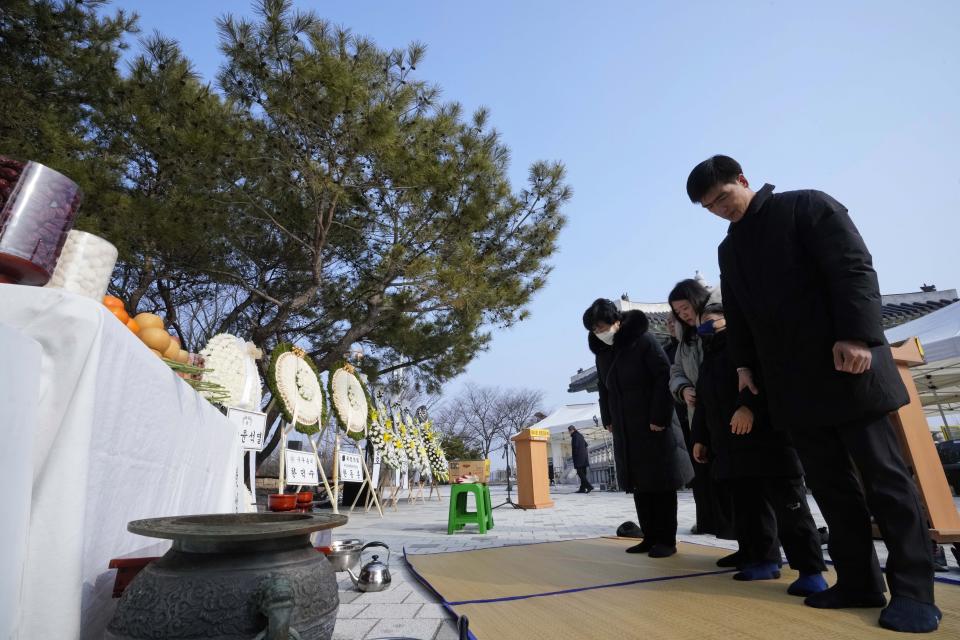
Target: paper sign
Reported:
point(375, 471)
point(301, 467)
point(251, 427)
point(351, 469)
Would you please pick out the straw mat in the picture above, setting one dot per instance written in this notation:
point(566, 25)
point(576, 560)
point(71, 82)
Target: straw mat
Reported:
point(592, 589)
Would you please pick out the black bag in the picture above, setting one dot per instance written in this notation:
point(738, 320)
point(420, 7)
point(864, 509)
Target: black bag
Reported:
point(629, 529)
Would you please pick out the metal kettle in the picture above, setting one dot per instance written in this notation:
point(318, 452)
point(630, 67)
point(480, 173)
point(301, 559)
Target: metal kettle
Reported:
point(375, 575)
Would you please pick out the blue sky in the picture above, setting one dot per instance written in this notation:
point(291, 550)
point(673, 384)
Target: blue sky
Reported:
point(858, 98)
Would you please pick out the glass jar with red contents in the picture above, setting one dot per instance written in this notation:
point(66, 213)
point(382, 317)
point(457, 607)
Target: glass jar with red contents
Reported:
point(37, 209)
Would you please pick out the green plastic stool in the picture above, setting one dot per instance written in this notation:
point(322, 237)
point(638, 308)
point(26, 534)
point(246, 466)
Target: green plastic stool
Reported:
point(459, 516)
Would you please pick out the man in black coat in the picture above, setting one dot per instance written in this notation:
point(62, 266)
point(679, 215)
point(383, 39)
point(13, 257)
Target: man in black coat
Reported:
point(802, 306)
point(637, 408)
point(580, 460)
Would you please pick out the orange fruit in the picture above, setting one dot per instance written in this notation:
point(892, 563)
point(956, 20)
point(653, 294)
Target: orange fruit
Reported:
point(172, 350)
point(121, 315)
point(149, 321)
point(133, 326)
point(113, 302)
point(155, 338)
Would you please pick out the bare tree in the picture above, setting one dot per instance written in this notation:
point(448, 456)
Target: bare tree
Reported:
point(520, 408)
point(486, 416)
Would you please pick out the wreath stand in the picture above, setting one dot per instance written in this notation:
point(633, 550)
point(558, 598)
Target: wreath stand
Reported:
point(285, 431)
point(323, 475)
point(367, 480)
point(398, 487)
point(386, 482)
point(411, 497)
point(434, 487)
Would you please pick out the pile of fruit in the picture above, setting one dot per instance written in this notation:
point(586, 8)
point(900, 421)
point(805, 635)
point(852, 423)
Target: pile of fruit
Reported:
point(149, 328)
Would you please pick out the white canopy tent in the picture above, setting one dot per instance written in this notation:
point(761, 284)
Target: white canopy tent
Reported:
point(939, 333)
point(938, 380)
point(585, 417)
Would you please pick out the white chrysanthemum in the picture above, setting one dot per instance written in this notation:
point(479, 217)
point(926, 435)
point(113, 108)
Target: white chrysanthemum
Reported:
point(297, 383)
point(230, 364)
point(438, 461)
point(349, 400)
point(382, 441)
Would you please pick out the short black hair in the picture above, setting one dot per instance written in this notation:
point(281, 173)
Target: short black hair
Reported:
point(713, 307)
point(602, 310)
point(709, 173)
point(697, 295)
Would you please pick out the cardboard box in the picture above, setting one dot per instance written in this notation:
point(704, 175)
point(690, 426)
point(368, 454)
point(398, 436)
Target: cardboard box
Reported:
point(479, 468)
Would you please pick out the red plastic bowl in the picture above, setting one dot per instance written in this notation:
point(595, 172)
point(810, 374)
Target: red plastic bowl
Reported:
point(305, 497)
point(282, 501)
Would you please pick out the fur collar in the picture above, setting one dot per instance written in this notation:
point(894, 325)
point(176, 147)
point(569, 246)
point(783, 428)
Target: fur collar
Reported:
point(633, 325)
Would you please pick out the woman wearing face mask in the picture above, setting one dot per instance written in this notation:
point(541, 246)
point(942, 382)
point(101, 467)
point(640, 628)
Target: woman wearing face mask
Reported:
point(687, 300)
point(637, 408)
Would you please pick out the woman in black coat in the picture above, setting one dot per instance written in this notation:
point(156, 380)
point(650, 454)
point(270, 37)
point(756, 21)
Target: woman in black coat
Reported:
point(636, 406)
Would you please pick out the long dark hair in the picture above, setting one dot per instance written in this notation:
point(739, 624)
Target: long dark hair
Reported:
point(697, 295)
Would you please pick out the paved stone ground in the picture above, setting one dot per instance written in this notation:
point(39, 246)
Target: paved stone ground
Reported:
point(409, 610)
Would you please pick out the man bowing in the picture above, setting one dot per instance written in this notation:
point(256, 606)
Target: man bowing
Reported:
point(802, 306)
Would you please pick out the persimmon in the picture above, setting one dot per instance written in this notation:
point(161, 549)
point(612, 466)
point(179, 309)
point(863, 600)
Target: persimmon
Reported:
point(133, 326)
point(121, 315)
point(113, 302)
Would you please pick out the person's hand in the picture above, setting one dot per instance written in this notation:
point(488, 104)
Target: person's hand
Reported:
point(745, 380)
point(654, 427)
point(689, 396)
point(851, 356)
point(700, 452)
point(742, 421)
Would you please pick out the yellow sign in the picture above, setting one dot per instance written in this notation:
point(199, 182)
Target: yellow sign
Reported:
point(539, 434)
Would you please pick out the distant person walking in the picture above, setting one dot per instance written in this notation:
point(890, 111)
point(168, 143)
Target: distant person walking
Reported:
point(637, 408)
point(802, 305)
point(580, 459)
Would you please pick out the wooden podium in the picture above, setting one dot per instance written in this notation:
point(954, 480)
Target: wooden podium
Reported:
point(919, 451)
point(533, 481)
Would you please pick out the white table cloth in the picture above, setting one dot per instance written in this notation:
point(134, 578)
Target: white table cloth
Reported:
point(115, 436)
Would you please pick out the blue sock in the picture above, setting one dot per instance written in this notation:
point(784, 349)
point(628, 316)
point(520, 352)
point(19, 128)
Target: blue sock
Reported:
point(807, 585)
point(759, 571)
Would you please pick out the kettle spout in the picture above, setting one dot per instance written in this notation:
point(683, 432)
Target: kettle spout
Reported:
point(353, 578)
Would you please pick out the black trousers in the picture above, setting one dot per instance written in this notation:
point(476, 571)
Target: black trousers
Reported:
point(724, 511)
point(584, 483)
point(657, 513)
point(829, 455)
point(768, 508)
point(703, 498)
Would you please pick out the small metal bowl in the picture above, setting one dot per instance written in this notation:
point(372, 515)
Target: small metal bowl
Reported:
point(345, 554)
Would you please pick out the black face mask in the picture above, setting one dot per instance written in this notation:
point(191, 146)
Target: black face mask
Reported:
point(706, 329)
